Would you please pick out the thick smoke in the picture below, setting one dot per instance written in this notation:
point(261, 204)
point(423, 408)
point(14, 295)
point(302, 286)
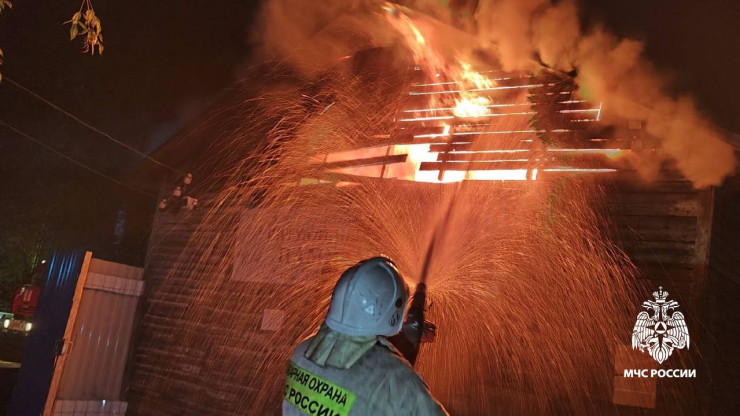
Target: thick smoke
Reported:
point(315, 35)
point(614, 73)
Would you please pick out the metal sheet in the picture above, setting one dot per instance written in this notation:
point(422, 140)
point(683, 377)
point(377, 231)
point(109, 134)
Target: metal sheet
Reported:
point(102, 334)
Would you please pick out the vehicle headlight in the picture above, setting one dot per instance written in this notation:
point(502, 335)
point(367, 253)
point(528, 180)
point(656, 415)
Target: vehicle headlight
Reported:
point(6, 323)
point(28, 326)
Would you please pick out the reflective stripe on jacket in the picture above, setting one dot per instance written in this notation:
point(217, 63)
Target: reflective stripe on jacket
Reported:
point(380, 383)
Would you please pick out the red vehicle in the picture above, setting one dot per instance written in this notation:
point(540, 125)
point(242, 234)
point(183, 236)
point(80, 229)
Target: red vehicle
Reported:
point(25, 300)
point(20, 320)
point(22, 309)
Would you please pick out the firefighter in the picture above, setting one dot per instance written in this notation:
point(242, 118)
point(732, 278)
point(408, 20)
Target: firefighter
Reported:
point(349, 367)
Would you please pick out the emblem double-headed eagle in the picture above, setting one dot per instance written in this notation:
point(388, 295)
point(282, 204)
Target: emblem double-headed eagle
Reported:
point(660, 333)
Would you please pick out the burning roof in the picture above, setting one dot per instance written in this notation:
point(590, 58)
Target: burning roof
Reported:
point(491, 125)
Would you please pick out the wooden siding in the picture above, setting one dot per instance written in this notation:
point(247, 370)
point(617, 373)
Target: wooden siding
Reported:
point(721, 325)
point(663, 226)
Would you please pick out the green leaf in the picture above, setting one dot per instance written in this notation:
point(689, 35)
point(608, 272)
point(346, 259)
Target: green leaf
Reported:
point(73, 32)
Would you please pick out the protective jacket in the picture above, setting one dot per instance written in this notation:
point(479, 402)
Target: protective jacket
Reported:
point(332, 374)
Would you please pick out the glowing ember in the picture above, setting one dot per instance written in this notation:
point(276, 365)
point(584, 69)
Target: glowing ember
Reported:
point(416, 154)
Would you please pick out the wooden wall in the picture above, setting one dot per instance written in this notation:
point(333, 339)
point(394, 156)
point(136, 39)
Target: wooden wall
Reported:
point(165, 373)
point(189, 367)
point(721, 324)
point(664, 226)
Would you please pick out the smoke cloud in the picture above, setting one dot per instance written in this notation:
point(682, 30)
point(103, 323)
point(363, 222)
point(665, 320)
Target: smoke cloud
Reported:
point(613, 71)
point(315, 35)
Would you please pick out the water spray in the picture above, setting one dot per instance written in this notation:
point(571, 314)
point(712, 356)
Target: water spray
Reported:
point(508, 247)
point(416, 325)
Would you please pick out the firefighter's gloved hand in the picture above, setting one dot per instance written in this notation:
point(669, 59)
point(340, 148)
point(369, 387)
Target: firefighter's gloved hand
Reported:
point(429, 333)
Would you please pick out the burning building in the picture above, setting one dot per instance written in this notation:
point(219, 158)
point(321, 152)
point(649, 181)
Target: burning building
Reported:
point(545, 237)
point(552, 243)
point(506, 127)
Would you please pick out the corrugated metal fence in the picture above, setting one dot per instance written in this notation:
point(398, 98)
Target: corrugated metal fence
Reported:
point(75, 363)
point(92, 380)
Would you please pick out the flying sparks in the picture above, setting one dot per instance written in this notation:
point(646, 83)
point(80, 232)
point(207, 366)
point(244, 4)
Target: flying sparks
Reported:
point(515, 283)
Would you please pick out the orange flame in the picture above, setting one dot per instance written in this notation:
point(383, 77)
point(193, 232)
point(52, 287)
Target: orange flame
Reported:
point(471, 105)
point(414, 37)
point(473, 77)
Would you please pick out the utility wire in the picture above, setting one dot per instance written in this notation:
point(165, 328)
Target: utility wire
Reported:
point(76, 162)
point(102, 133)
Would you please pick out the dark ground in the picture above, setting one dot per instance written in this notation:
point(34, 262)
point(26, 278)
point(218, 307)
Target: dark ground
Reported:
point(8, 375)
point(11, 354)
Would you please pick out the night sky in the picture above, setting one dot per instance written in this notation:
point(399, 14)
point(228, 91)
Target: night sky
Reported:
point(163, 62)
point(166, 60)
point(696, 43)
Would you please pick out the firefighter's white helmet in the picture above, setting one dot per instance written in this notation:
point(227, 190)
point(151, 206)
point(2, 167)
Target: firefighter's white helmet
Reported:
point(369, 299)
